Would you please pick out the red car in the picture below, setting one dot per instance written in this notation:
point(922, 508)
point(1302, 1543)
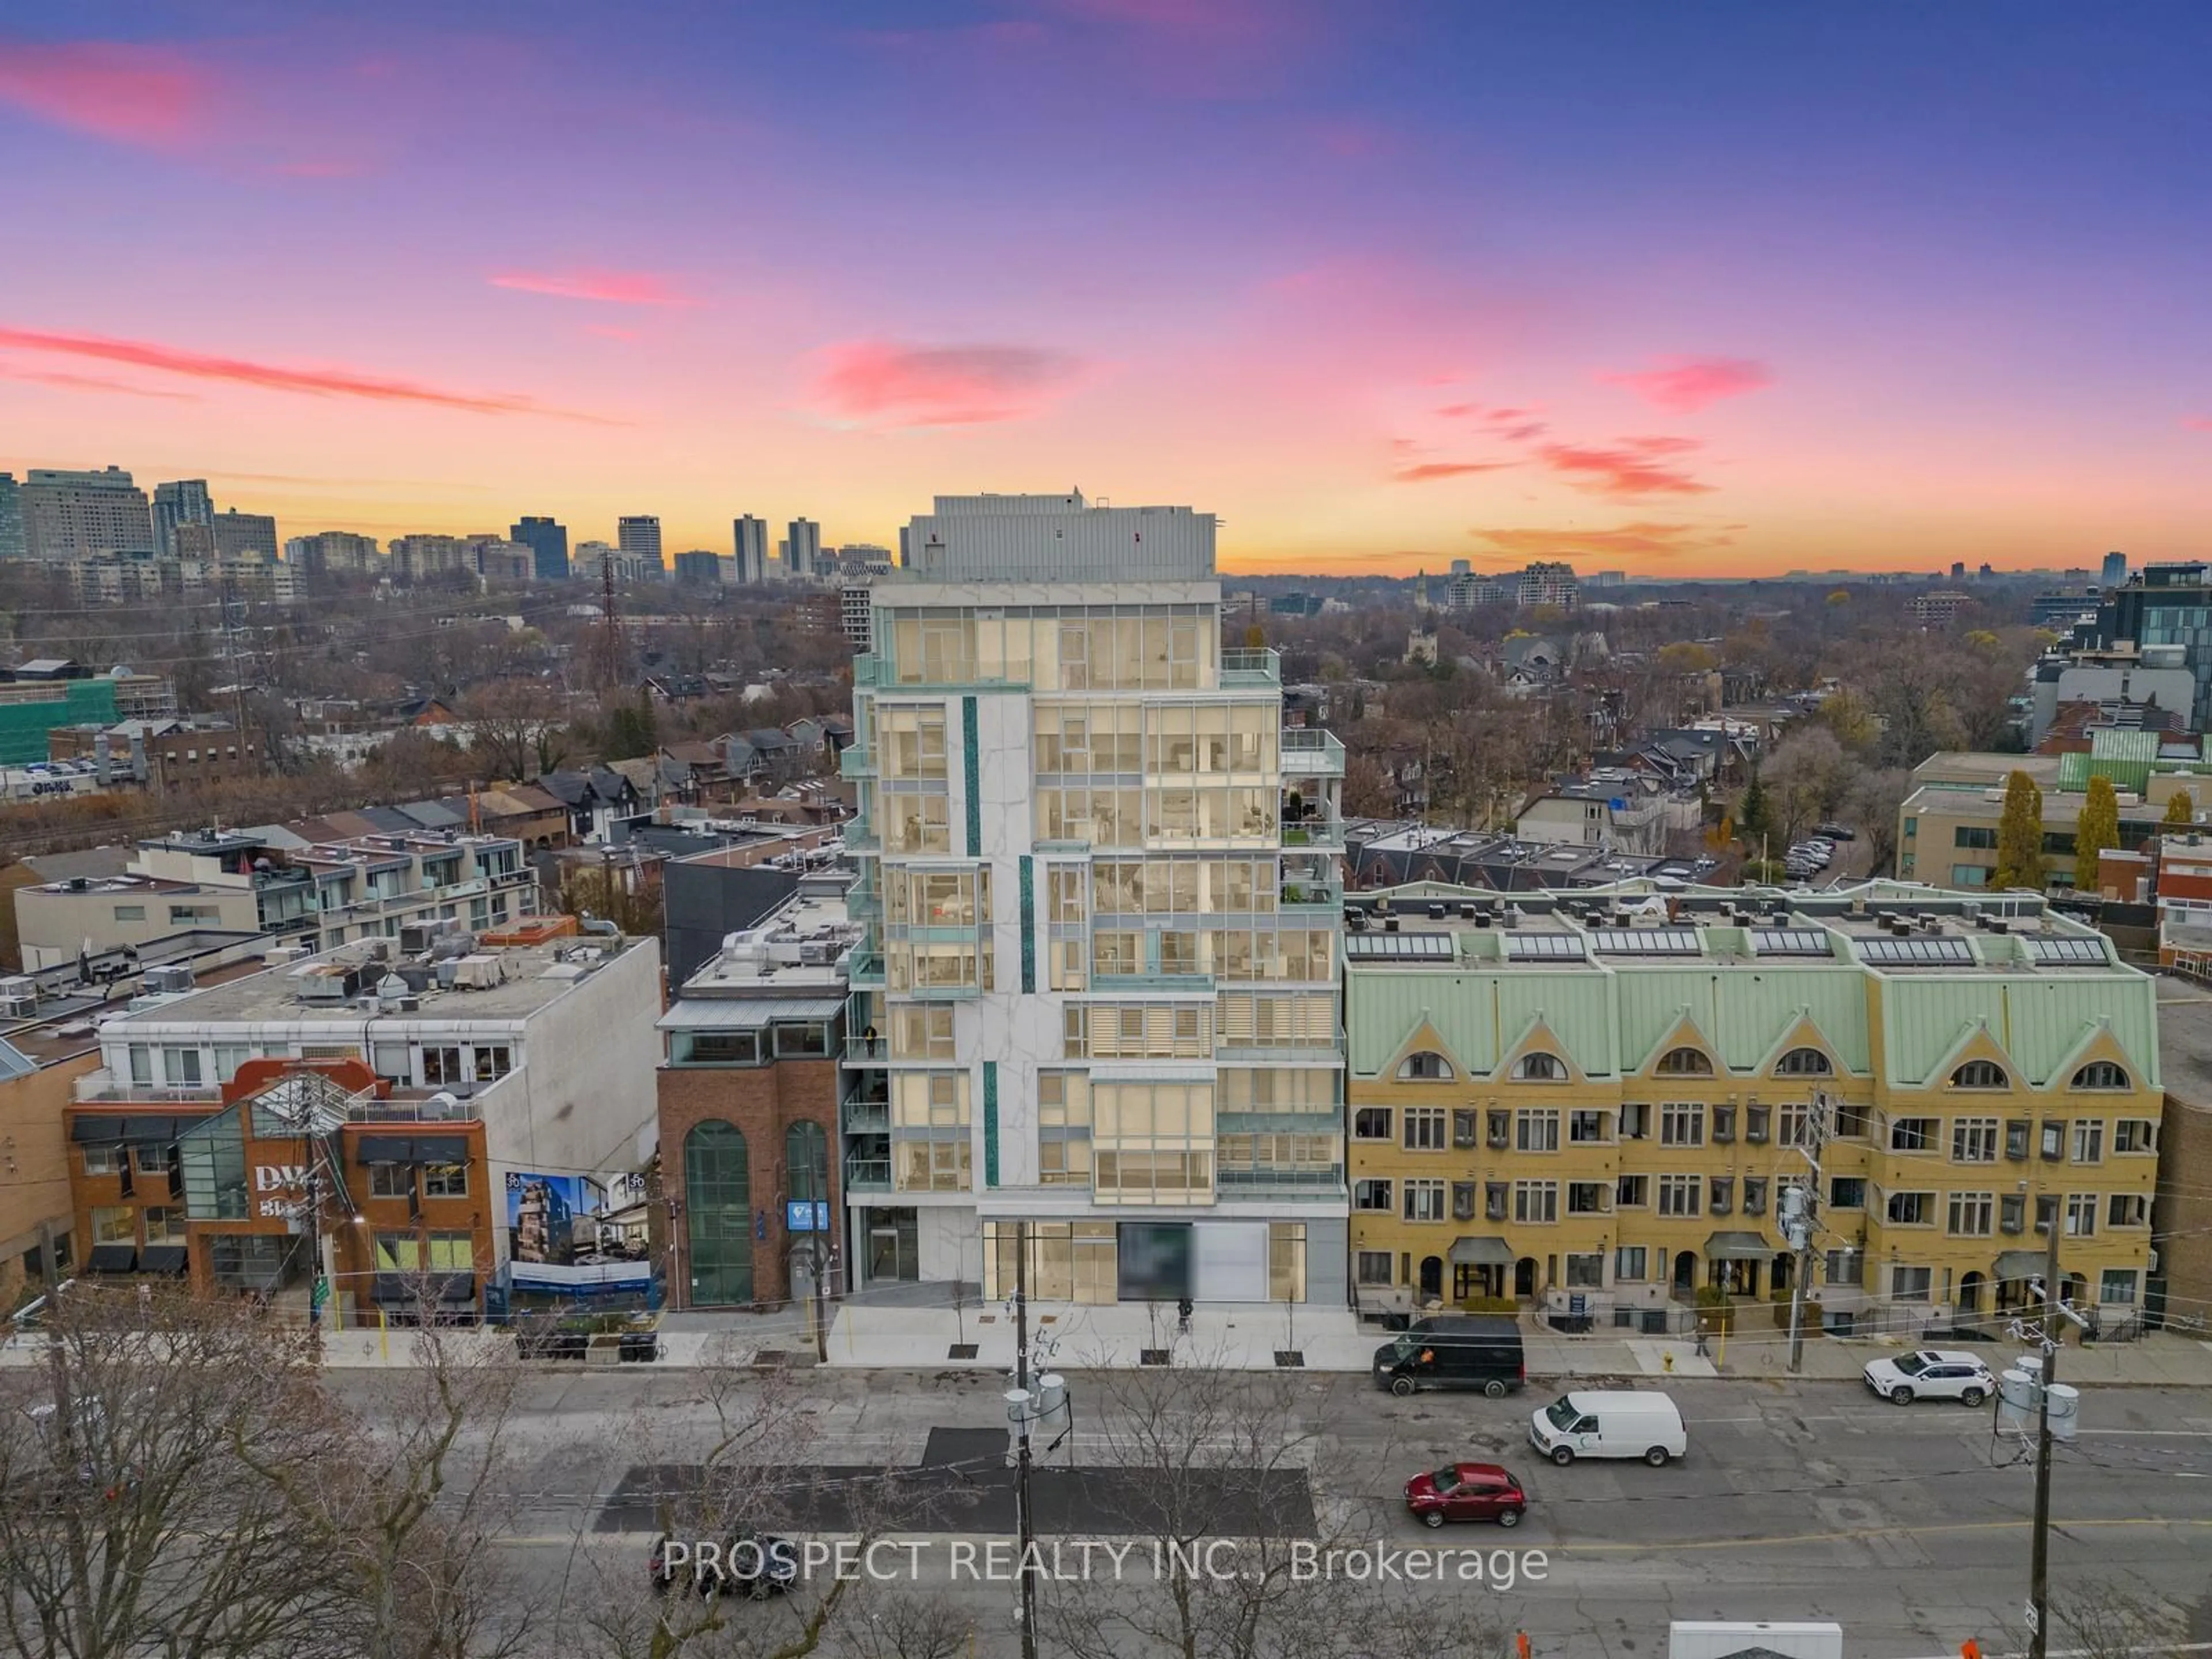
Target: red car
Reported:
point(1466, 1491)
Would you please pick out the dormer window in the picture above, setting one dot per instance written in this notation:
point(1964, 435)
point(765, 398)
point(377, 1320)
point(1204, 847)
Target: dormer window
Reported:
point(1539, 1068)
point(1425, 1066)
point(1684, 1063)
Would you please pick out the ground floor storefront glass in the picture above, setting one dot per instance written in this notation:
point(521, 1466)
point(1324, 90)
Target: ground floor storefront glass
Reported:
point(1097, 1262)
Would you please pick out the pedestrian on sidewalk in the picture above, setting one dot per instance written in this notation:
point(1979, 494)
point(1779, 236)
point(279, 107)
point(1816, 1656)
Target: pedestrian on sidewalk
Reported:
point(1704, 1352)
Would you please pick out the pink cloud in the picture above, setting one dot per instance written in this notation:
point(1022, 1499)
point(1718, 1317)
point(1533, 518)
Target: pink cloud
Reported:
point(69, 382)
point(882, 383)
point(1645, 538)
point(1516, 426)
point(270, 377)
point(1428, 471)
point(1626, 469)
point(609, 331)
point(1683, 385)
point(2197, 422)
point(613, 288)
point(153, 96)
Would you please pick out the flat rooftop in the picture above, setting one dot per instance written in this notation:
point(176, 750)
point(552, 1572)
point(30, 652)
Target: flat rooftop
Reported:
point(1887, 926)
point(797, 949)
point(526, 978)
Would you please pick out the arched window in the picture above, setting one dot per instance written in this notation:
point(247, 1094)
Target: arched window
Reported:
point(2100, 1074)
point(1804, 1062)
point(806, 1162)
point(1684, 1063)
point(717, 1208)
point(1425, 1066)
point(1979, 1074)
point(1539, 1068)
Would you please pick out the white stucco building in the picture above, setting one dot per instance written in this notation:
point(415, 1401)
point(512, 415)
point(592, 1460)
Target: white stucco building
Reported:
point(1103, 905)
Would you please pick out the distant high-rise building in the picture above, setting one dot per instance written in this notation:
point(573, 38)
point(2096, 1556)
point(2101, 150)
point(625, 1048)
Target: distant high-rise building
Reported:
point(419, 558)
point(67, 515)
point(699, 568)
point(2114, 573)
point(333, 552)
point(185, 501)
point(11, 517)
point(548, 542)
point(803, 549)
point(866, 559)
point(639, 536)
point(856, 614)
point(1548, 581)
point(1958, 570)
point(750, 535)
point(245, 536)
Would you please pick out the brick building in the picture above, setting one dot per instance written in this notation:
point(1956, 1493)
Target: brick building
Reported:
point(750, 1096)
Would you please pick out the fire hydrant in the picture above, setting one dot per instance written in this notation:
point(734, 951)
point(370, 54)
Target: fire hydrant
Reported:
point(1667, 1361)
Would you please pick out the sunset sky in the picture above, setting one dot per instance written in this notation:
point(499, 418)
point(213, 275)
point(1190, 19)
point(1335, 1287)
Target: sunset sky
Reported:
point(1709, 289)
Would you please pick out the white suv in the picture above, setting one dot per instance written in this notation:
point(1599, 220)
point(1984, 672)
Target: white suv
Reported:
point(1931, 1374)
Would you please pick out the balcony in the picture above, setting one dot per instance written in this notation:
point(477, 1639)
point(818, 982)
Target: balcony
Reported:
point(867, 1175)
point(865, 667)
point(863, 969)
point(1320, 834)
point(867, 1117)
point(96, 1088)
point(1310, 752)
point(1320, 896)
point(860, 836)
point(1122, 984)
point(854, 761)
point(1251, 668)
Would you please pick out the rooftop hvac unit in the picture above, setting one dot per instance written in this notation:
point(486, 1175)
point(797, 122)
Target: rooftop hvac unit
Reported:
point(325, 983)
point(414, 938)
point(817, 954)
point(477, 973)
point(172, 976)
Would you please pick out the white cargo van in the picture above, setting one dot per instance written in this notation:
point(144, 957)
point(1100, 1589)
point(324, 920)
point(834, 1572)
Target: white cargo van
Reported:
point(1612, 1424)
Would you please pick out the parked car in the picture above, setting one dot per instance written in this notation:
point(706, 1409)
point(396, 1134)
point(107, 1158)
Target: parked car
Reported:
point(1839, 832)
point(1454, 1351)
point(1931, 1374)
point(1466, 1491)
point(1610, 1423)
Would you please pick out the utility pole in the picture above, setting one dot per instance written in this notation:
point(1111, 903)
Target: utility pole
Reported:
point(2038, 1590)
point(1023, 1520)
point(1799, 1219)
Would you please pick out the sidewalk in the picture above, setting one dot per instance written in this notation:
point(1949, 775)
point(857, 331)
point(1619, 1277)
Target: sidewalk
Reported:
point(1235, 1338)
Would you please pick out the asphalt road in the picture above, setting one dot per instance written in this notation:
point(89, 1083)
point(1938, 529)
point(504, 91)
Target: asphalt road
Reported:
point(1908, 1526)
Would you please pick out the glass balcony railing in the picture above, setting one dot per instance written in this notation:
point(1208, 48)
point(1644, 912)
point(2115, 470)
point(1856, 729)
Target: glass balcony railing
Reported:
point(865, 668)
point(1314, 832)
point(854, 761)
point(867, 1175)
point(1310, 896)
point(1311, 752)
point(1252, 668)
point(867, 1117)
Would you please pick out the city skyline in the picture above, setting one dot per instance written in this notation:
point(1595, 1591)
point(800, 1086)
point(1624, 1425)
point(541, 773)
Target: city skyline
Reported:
point(1726, 294)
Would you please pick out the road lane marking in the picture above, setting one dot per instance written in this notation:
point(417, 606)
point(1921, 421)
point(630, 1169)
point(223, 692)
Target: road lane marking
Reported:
point(1784, 1539)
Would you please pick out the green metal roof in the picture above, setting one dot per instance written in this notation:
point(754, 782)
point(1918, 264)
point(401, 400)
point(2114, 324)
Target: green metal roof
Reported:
point(2041, 1020)
point(2074, 772)
point(2109, 743)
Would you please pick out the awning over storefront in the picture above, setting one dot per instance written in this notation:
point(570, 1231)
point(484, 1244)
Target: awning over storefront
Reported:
point(412, 1149)
point(2018, 1264)
point(161, 1259)
point(112, 1259)
point(448, 1290)
point(97, 1127)
point(1738, 1247)
point(1469, 1251)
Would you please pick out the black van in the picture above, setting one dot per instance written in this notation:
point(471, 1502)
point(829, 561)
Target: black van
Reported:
point(1454, 1351)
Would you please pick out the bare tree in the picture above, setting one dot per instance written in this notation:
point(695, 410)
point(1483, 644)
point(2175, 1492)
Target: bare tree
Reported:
point(518, 726)
point(136, 1515)
point(406, 1522)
